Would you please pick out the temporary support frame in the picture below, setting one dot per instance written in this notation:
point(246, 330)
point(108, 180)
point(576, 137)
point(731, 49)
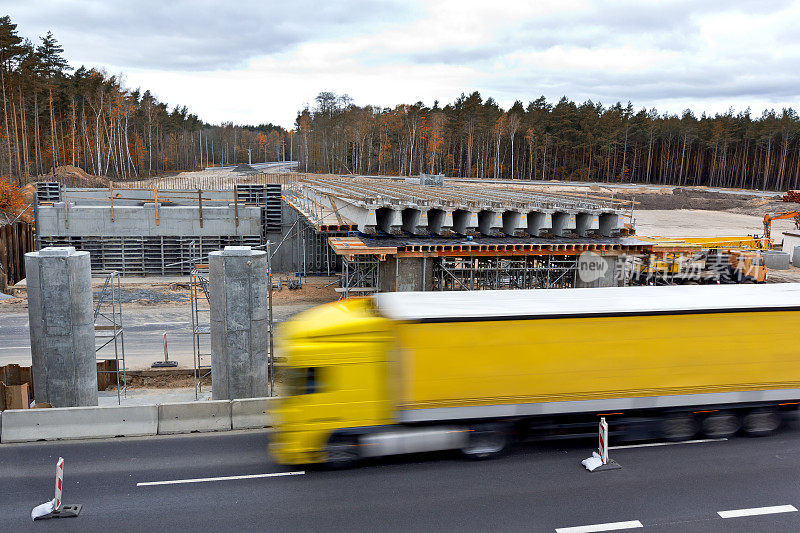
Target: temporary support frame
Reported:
point(109, 330)
point(201, 327)
point(489, 273)
point(360, 274)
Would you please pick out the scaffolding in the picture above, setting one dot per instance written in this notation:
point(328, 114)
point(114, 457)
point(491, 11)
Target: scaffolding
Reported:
point(360, 274)
point(109, 331)
point(201, 327)
point(488, 273)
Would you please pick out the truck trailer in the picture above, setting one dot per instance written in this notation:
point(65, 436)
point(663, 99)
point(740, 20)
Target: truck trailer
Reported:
point(412, 372)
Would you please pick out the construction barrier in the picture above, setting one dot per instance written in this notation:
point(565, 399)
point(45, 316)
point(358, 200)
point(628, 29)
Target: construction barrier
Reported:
point(54, 508)
point(602, 449)
point(59, 481)
point(25, 425)
point(188, 417)
point(251, 413)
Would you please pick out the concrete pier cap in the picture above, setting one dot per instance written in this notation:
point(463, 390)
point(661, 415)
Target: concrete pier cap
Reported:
point(239, 322)
point(61, 318)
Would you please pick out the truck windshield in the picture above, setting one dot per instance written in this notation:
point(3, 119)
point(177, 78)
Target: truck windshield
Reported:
point(302, 380)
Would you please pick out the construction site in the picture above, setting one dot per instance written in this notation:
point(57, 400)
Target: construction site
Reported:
point(186, 280)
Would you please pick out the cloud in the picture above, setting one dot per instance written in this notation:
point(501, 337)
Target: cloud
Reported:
point(195, 35)
point(257, 62)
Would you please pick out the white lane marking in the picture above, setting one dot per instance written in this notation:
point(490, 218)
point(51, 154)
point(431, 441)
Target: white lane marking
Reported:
point(736, 513)
point(15, 347)
point(223, 478)
point(610, 526)
point(651, 444)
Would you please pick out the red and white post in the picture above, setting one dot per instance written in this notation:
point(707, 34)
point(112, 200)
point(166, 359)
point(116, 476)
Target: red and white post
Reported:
point(59, 482)
point(603, 441)
point(166, 353)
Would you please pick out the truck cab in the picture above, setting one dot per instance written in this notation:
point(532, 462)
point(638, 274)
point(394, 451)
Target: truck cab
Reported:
point(333, 370)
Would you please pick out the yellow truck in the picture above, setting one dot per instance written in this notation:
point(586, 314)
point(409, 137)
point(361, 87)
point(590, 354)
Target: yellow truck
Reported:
point(475, 370)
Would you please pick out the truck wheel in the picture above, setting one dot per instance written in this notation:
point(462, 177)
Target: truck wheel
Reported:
point(341, 453)
point(720, 425)
point(679, 427)
point(485, 441)
point(761, 422)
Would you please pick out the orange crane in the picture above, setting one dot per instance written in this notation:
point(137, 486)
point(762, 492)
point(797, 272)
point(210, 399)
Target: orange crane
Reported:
point(769, 217)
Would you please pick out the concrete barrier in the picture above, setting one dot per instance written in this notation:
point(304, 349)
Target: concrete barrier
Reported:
point(251, 413)
point(188, 417)
point(23, 425)
point(775, 260)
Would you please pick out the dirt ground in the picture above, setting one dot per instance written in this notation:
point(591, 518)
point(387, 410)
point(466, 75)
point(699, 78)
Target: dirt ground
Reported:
point(684, 211)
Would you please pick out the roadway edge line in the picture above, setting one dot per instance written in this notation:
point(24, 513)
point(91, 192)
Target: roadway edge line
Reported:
point(756, 511)
point(220, 478)
point(609, 526)
point(653, 444)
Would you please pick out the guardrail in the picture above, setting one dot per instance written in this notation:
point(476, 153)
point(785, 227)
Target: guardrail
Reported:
point(27, 425)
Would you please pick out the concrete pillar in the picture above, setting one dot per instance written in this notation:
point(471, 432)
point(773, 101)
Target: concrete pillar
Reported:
point(61, 320)
point(596, 270)
point(239, 322)
point(406, 274)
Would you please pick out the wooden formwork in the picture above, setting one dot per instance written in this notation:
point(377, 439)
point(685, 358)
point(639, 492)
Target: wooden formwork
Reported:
point(15, 241)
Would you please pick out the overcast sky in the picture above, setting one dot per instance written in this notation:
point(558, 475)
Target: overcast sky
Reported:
point(262, 61)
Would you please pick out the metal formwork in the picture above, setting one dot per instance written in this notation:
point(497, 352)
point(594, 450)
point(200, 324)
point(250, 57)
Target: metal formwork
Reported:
point(158, 256)
point(315, 256)
point(48, 191)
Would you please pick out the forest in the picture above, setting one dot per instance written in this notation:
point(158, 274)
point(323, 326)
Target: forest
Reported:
point(56, 115)
point(543, 140)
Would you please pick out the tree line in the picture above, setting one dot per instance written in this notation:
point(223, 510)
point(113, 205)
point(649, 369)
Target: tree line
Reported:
point(543, 140)
point(54, 115)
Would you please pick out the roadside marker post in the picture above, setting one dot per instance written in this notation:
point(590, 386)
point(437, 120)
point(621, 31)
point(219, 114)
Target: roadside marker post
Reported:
point(59, 482)
point(166, 363)
point(603, 444)
point(55, 508)
point(599, 460)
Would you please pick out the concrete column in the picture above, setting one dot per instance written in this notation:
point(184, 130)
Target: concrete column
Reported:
point(598, 271)
point(239, 322)
point(61, 320)
point(406, 274)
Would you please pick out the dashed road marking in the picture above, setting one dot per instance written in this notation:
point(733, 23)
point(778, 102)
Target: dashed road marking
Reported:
point(736, 513)
point(651, 444)
point(610, 526)
point(222, 478)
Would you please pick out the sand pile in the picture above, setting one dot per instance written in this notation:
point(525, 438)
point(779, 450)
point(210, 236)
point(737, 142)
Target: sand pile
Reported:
point(76, 176)
point(244, 168)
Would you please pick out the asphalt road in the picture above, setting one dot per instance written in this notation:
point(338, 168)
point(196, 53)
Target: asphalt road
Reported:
point(543, 487)
point(144, 329)
point(143, 337)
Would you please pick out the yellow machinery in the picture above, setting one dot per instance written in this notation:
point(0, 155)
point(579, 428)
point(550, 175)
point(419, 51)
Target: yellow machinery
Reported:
point(733, 259)
point(411, 372)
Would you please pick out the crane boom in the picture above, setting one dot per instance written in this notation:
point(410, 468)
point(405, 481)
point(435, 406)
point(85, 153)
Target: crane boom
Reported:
point(769, 217)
